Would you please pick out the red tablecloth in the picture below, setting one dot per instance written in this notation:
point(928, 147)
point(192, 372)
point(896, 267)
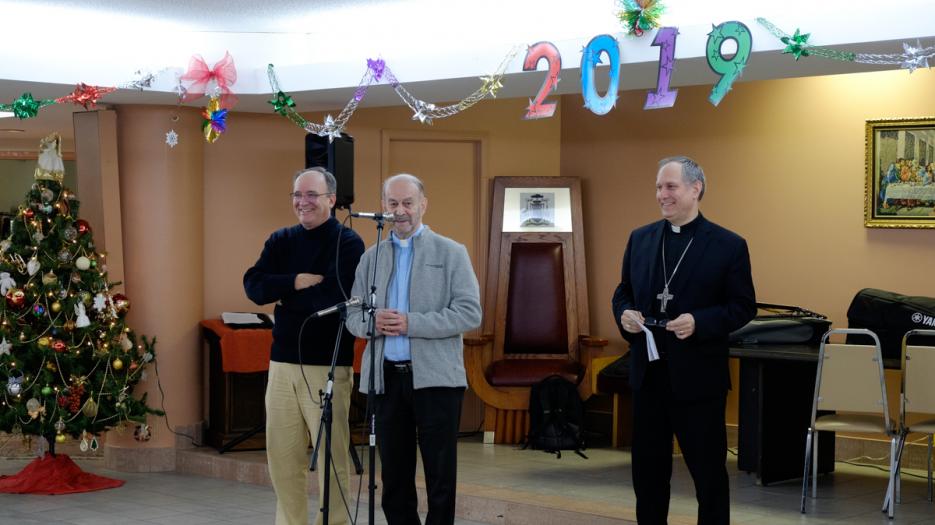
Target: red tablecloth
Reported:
point(247, 350)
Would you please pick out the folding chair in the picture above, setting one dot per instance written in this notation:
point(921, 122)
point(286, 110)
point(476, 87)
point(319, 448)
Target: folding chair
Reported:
point(917, 397)
point(850, 382)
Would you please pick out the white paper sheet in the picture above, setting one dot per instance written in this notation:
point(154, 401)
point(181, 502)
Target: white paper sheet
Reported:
point(650, 344)
point(240, 318)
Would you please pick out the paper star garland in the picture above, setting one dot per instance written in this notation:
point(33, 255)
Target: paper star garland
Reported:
point(282, 103)
point(796, 44)
point(85, 95)
point(491, 84)
point(330, 129)
point(25, 106)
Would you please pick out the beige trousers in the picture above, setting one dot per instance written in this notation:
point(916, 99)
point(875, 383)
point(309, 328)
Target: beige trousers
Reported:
point(292, 418)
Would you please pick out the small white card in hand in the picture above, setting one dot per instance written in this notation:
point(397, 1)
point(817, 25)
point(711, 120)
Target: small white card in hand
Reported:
point(650, 344)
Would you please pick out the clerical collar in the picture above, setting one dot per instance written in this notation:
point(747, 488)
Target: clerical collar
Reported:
point(404, 243)
point(685, 228)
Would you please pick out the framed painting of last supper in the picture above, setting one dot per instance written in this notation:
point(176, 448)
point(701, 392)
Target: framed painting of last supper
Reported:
point(900, 164)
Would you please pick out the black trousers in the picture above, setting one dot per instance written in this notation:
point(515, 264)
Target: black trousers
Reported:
point(431, 417)
point(700, 428)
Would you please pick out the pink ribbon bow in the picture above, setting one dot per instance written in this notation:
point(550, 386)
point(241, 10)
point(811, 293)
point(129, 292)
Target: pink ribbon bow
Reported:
point(223, 73)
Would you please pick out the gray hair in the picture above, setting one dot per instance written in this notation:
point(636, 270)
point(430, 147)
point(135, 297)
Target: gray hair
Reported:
point(691, 171)
point(330, 182)
point(406, 177)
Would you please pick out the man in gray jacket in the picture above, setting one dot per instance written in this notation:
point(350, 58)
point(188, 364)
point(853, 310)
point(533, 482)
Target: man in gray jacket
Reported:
point(426, 297)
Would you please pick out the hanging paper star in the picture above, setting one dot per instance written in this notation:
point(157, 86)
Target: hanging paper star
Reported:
point(913, 57)
point(25, 106)
point(422, 108)
point(796, 44)
point(145, 81)
point(330, 129)
point(376, 68)
point(215, 120)
point(85, 95)
point(282, 103)
point(5, 347)
point(172, 138)
point(491, 84)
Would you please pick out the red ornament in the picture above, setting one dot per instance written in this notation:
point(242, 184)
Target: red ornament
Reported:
point(59, 346)
point(85, 95)
point(121, 304)
point(83, 226)
point(29, 213)
point(133, 365)
point(16, 298)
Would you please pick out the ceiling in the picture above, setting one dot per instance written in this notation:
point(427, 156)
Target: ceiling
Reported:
point(436, 48)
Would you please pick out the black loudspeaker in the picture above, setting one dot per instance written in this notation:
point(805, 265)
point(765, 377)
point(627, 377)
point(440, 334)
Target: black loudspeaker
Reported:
point(336, 156)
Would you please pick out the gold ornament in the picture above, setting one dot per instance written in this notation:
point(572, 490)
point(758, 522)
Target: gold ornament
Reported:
point(59, 438)
point(56, 307)
point(44, 341)
point(90, 408)
point(117, 363)
point(49, 278)
point(69, 325)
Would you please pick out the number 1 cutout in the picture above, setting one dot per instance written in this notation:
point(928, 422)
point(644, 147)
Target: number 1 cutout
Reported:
point(663, 97)
point(537, 107)
point(729, 69)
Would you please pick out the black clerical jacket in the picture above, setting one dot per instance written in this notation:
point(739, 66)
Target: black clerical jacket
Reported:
point(714, 284)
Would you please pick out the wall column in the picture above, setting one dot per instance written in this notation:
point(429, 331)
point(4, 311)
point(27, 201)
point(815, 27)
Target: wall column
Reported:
point(162, 197)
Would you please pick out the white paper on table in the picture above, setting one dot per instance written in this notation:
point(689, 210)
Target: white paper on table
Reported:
point(650, 344)
point(240, 318)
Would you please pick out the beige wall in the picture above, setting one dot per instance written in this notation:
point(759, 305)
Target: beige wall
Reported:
point(248, 173)
point(785, 167)
point(785, 163)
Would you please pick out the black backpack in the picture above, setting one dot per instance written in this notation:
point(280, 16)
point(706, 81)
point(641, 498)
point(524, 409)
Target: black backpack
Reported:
point(555, 417)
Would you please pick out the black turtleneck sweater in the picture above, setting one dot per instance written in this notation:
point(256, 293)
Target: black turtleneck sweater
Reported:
point(287, 253)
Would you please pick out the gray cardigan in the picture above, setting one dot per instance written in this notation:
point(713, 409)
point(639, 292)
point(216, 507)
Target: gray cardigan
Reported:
point(444, 302)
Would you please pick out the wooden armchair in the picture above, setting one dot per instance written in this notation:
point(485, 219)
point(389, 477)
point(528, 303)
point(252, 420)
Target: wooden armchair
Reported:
point(536, 303)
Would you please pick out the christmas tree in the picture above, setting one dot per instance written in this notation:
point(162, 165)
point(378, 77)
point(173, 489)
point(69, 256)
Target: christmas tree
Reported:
point(68, 360)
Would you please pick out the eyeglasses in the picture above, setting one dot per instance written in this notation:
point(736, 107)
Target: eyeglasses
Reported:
point(309, 195)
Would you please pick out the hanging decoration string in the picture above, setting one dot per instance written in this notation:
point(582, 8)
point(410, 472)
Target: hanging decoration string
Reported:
point(377, 70)
point(912, 57)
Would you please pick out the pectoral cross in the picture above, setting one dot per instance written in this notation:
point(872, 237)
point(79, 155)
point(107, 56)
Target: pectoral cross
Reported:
point(664, 298)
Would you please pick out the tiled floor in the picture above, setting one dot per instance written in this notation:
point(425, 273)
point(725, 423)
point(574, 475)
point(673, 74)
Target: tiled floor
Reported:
point(497, 484)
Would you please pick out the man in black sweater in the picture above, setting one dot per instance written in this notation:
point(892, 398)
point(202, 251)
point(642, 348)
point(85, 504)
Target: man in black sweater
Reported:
point(306, 268)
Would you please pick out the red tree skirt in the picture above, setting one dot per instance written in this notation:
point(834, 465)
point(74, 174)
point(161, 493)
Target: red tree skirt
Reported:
point(54, 475)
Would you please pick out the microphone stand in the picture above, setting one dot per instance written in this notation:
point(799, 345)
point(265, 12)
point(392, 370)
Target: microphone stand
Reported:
point(325, 423)
point(371, 386)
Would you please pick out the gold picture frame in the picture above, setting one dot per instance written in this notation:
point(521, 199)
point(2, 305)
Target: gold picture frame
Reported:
point(900, 173)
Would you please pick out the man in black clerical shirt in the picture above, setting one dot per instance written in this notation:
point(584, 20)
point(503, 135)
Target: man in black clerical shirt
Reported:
point(688, 281)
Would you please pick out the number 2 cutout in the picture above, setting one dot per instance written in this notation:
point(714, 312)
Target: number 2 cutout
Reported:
point(729, 68)
point(537, 107)
point(663, 97)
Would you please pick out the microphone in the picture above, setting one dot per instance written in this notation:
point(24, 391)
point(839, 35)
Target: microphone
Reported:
point(388, 217)
point(353, 301)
